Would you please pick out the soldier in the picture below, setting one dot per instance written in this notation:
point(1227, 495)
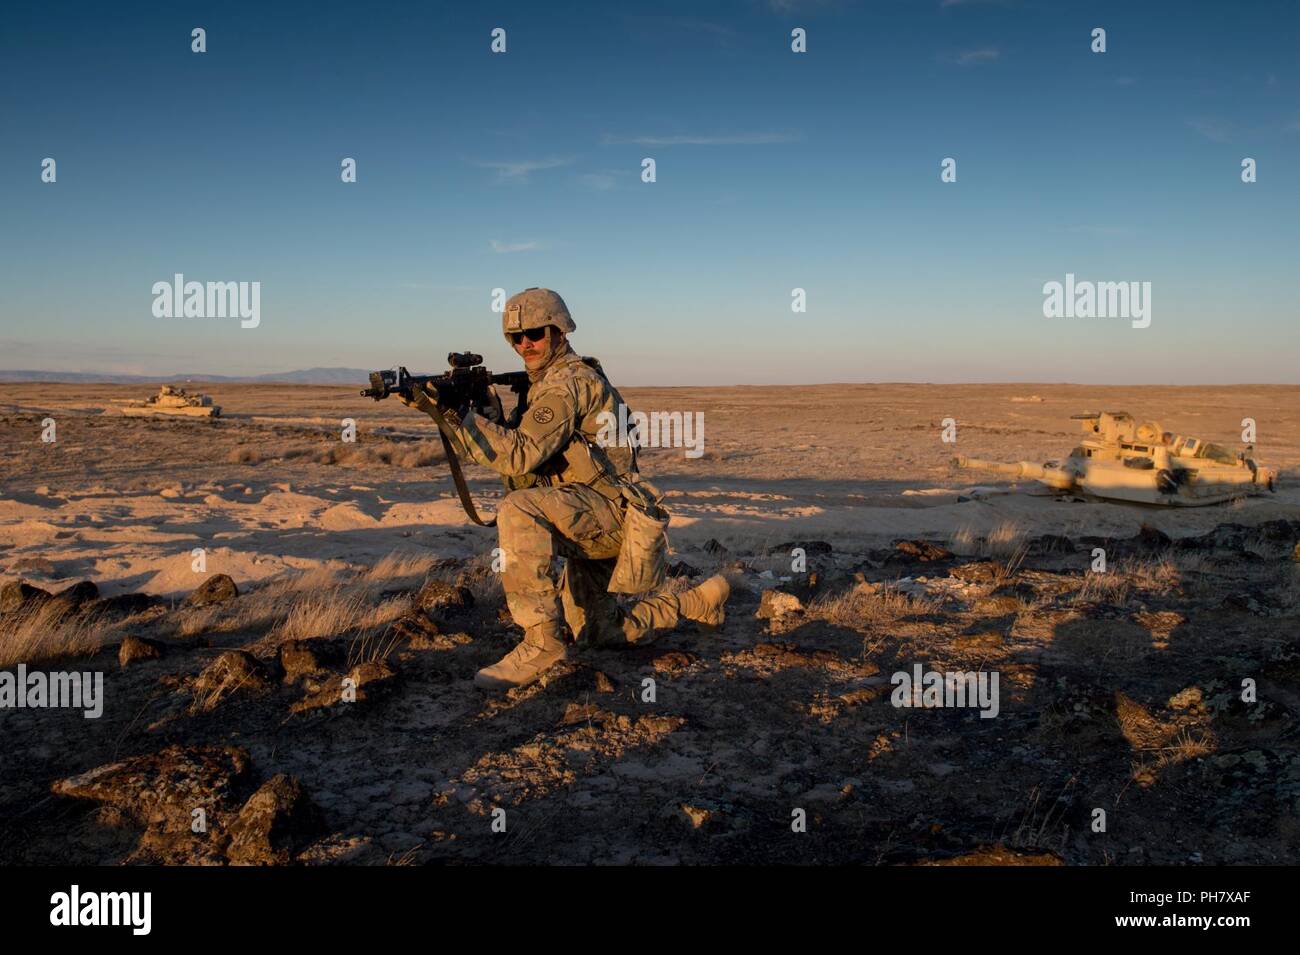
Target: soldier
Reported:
point(568, 497)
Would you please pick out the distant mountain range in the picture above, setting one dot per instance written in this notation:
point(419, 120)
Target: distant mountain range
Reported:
point(306, 376)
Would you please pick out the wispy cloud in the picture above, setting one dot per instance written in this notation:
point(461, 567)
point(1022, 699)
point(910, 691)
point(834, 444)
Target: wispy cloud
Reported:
point(974, 57)
point(1215, 130)
point(519, 170)
point(501, 248)
point(601, 181)
point(743, 139)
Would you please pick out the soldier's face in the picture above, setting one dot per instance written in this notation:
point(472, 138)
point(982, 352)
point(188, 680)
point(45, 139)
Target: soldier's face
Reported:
point(535, 353)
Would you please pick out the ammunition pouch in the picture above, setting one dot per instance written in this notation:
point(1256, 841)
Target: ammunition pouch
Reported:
point(643, 556)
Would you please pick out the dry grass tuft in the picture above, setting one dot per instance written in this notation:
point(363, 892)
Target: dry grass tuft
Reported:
point(50, 630)
point(319, 602)
point(338, 612)
point(1149, 575)
point(1005, 540)
point(398, 569)
point(1112, 588)
point(856, 607)
point(402, 455)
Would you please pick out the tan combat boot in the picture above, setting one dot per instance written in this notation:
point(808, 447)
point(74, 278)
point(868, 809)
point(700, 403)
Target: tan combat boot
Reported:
point(541, 648)
point(706, 603)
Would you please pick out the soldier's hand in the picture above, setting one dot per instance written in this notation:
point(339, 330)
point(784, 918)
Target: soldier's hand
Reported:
point(419, 400)
point(492, 409)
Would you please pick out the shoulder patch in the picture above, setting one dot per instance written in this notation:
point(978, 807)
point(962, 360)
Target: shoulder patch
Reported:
point(543, 415)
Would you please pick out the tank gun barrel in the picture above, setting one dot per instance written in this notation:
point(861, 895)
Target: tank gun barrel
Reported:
point(1025, 469)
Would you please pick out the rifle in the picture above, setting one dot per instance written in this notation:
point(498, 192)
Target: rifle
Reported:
point(465, 385)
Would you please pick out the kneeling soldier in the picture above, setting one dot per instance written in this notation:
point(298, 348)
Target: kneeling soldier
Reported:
point(570, 498)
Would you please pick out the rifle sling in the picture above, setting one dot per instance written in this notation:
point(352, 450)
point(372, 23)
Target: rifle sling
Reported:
point(457, 475)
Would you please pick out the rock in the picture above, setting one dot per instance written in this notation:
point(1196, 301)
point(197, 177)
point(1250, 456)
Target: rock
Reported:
point(17, 595)
point(79, 593)
point(125, 605)
point(1190, 699)
point(695, 816)
point(1020, 590)
point(304, 658)
point(134, 649)
point(682, 569)
point(675, 661)
point(1224, 537)
point(1152, 538)
point(1278, 531)
point(866, 588)
point(414, 623)
point(808, 586)
point(978, 572)
point(439, 641)
point(810, 548)
point(436, 596)
point(217, 589)
point(921, 550)
point(161, 792)
point(277, 822)
point(232, 670)
point(658, 726)
point(576, 713)
point(775, 604)
point(360, 684)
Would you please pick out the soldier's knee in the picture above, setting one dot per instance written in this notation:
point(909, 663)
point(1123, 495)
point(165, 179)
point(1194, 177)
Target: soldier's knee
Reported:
point(519, 509)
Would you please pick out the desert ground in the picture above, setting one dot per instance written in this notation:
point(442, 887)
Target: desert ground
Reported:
point(1120, 691)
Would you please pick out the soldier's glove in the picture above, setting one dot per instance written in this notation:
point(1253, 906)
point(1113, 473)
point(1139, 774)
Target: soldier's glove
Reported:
point(491, 408)
point(419, 400)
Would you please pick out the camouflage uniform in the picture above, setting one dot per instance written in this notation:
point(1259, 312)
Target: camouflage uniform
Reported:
point(564, 504)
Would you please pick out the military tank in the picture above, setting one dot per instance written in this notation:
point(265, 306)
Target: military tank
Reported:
point(173, 401)
point(1123, 460)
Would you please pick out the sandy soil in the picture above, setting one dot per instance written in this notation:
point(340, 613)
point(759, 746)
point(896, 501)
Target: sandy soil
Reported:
point(1118, 695)
point(124, 501)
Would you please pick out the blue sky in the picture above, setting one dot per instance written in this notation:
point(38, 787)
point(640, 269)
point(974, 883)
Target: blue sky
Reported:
point(775, 170)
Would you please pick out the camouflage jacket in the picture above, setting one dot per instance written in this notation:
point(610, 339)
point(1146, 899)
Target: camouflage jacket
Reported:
point(557, 441)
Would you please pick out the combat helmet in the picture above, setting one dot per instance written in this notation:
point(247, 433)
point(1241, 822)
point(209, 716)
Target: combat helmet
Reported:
point(535, 308)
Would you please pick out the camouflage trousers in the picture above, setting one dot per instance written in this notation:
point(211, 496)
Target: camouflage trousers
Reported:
point(583, 526)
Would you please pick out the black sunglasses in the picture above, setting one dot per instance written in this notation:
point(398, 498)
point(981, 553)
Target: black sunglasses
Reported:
point(532, 334)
